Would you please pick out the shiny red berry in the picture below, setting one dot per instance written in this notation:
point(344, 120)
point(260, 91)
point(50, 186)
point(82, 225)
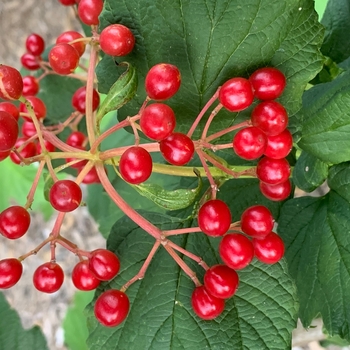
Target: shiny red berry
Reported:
point(89, 10)
point(221, 281)
point(30, 62)
point(76, 139)
point(257, 221)
point(112, 307)
point(214, 218)
point(278, 192)
point(270, 116)
point(268, 83)
point(11, 83)
point(30, 86)
point(14, 222)
point(157, 121)
point(135, 165)
point(249, 143)
point(104, 264)
point(117, 40)
point(269, 249)
point(162, 81)
point(29, 150)
point(83, 278)
point(65, 195)
point(48, 278)
point(236, 251)
point(273, 171)
point(78, 99)
point(38, 105)
point(10, 272)
point(177, 149)
point(236, 94)
point(10, 108)
point(35, 44)
point(279, 146)
point(64, 58)
point(205, 305)
point(8, 131)
point(70, 35)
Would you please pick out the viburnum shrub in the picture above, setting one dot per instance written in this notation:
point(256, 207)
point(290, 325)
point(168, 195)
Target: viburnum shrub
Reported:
point(220, 115)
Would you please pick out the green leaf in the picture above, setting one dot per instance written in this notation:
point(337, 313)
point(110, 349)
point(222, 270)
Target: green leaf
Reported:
point(224, 39)
point(327, 120)
point(336, 19)
point(339, 180)
point(121, 92)
point(260, 316)
point(309, 172)
point(170, 200)
point(108, 72)
point(12, 334)
point(316, 235)
point(74, 323)
point(16, 182)
point(57, 91)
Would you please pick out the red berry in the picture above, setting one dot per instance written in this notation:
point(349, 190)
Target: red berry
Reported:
point(278, 192)
point(162, 81)
point(89, 10)
point(10, 272)
point(8, 131)
point(35, 44)
point(257, 221)
point(270, 249)
point(48, 278)
point(236, 94)
point(117, 40)
point(157, 121)
point(10, 108)
point(83, 278)
point(70, 35)
point(28, 129)
point(30, 86)
point(49, 147)
point(38, 105)
point(76, 139)
point(270, 116)
point(177, 149)
point(65, 195)
point(214, 218)
point(78, 99)
point(279, 146)
point(4, 155)
point(14, 222)
point(249, 143)
point(221, 281)
point(67, 2)
point(112, 307)
point(268, 83)
point(205, 305)
point(11, 84)
point(30, 61)
point(104, 264)
point(29, 150)
point(91, 177)
point(273, 171)
point(135, 165)
point(63, 58)
point(236, 251)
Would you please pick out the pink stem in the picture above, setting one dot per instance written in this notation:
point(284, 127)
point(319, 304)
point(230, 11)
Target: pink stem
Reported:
point(143, 269)
point(181, 231)
point(30, 197)
point(227, 130)
point(194, 257)
point(210, 119)
point(202, 112)
point(125, 207)
point(213, 185)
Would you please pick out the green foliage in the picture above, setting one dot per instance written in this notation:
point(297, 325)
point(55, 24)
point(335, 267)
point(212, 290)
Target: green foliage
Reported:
point(326, 123)
point(227, 39)
point(12, 334)
point(161, 316)
point(23, 178)
point(74, 323)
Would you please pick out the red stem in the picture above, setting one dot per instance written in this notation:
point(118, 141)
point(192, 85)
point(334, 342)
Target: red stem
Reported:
point(227, 130)
point(212, 182)
point(210, 119)
point(30, 197)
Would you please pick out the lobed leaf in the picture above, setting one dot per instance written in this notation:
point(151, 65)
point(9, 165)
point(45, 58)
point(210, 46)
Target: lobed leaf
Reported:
point(161, 316)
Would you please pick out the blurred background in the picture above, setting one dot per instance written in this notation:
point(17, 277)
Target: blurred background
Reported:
point(60, 315)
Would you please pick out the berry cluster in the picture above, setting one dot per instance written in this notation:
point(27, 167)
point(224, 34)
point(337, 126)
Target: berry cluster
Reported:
point(265, 134)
